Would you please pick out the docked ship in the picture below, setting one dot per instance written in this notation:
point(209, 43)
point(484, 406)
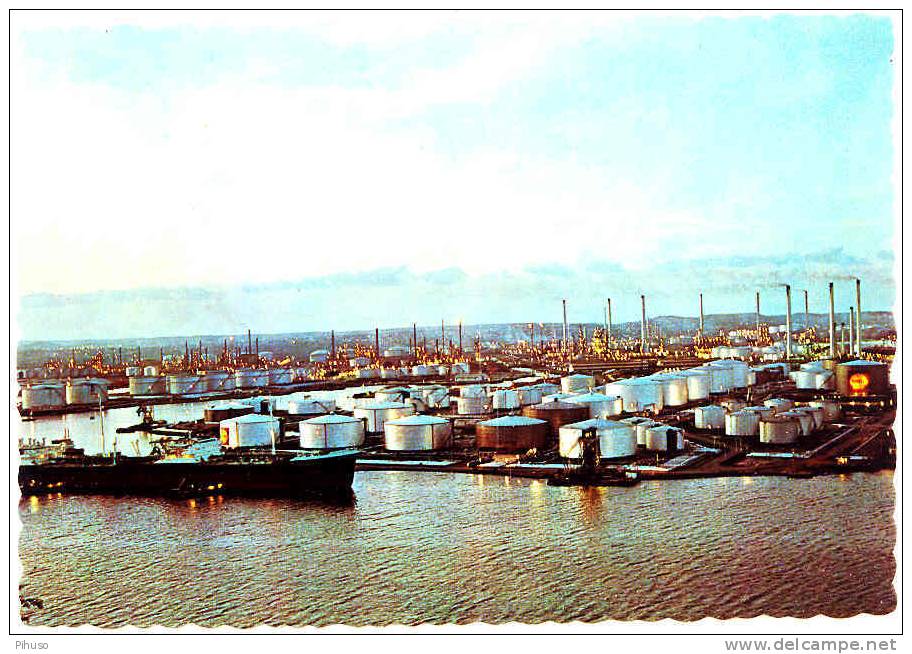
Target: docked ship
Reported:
point(193, 471)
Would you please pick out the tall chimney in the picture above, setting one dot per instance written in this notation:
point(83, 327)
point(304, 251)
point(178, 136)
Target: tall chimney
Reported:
point(758, 315)
point(643, 346)
point(851, 330)
point(832, 323)
point(807, 313)
point(858, 324)
point(377, 342)
point(442, 335)
point(415, 338)
point(257, 345)
point(842, 337)
point(566, 329)
point(248, 342)
point(701, 314)
point(788, 322)
point(460, 337)
point(609, 319)
point(332, 344)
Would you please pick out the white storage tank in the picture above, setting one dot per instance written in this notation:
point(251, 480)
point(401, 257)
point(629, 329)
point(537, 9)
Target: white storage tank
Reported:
point(420, 371)
point(779, 430)
point(547, 388)
point(805, 421)
point(140, 386)
point(504, 399)
point(260, 378)
point(616, 439)
point(473, 390)
point(742, 424)
point(709, 417)
point(805, 379)
point(377, 413)
point(460, 368)
point(626, 391)
point(698, 384)
point(577, 383)
point(831, 410)
point(440, 371)
point(151, 371)
point(558, 397)
point(133, 371)
point(49, 395)
point(263, 405)
point(319, 356)
point(473, 406)
point(530, 395)
point(331, 432)
point(436, 397)
point(358, 362)
point(366, 373)
point(302, 404)
point(732, 404)
point(219, 380)
point(251, 430)
point(243, 378)
point(182, 384)
point(649, 394)
point(674, 389)
point(389, 373)
point(600, 406)
point(663, 438)
point(395, 394)
point(779, 405)
point(761, 411)
point(816, 414)
point(86, 391)
point(417, 433)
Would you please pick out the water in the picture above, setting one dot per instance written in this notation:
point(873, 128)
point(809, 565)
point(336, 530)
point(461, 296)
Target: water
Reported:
point(443, 548)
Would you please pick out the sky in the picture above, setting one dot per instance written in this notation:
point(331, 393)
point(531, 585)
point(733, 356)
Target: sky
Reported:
point(180, 174)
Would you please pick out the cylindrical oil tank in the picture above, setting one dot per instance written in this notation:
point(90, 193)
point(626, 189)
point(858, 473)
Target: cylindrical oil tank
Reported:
point(736, 375)
point(460, 368)
point(225, 410)
point(616, 439)
point(436, 397)
point(396, 394)
point(577, 383)
point(80, 392)
point(281, 377)
point(473, 406)
point(473, 390)
point(627, 392)
point(133, 371)
point(732, 404)
point(182, 384)
point(698, 383)
point(762, 411)
point(558, 397)
point(709, 417)
point(557, 414)
point(674, 389)
point(831, 410)
point(260, 378)
point(642, 428)
point(377, 413)
point(742, 423)
point(420, 370)
point(503, 399)
point(779, 430)
point(600, 406)
point(806, 379)
point(824, 380)
point(331, 432)
point(663, 438)
point(307, 405)
point(815, 412)
point(649, 394)
point(861, 378)
point(530, 395)
point(151, 371)
point(547, 388)
point(219, 380)
point(779, 404)
point(366, 373)
point(389, 373)
point(440, 371)
point(358, 362)
point(252, 430)
point(49, 395)
point(262, 405)
point(145, 385)
point(318, 356)
point(805, 421)
point(243, 378)
point(512, 434)
point(413, 433)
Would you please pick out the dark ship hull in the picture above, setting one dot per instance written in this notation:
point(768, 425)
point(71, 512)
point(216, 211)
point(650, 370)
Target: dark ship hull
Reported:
point(330, 473)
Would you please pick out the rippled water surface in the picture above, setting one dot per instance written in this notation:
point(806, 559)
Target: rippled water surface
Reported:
point(441, 548)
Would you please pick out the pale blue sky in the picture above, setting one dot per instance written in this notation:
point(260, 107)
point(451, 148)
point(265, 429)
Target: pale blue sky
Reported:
point(646, 152)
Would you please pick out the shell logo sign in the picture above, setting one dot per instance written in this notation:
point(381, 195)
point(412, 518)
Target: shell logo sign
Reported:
point(859, 382)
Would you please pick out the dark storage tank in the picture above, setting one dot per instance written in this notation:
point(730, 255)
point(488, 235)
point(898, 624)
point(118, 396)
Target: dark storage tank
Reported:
point(862, 378)
point(557, 414)
point(512, 434)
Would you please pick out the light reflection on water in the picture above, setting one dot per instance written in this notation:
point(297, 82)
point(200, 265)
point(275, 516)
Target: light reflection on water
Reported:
point(429, 547)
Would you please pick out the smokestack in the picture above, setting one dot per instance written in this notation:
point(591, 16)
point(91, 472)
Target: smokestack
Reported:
point(851, 330)
point(842, 337)
point(758, 315)
point(332, 344)
point(858, 325)
point(643, 347)
point(257, 346)
point(832, 323)
point(701, 314)
point(442, 334)
point(377, 342)
point(807, 313)
point(609, 319)
point(565, 325)
point(415, 338)
point(120, 354)
point(460, 337)
point(788, 322)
